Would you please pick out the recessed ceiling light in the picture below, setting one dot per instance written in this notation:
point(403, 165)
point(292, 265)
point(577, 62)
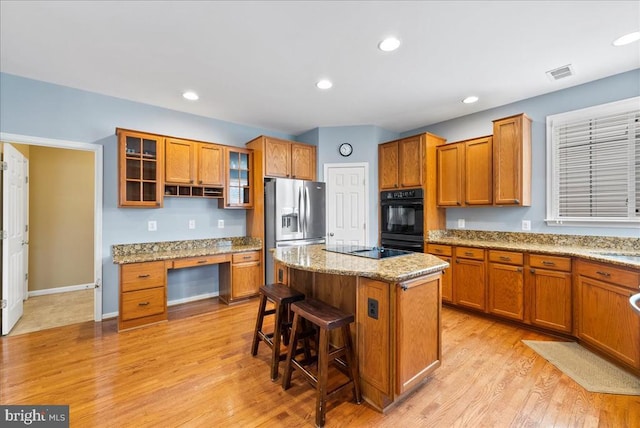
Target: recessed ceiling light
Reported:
point(324, 84)
point(190, 95)
point(470, 100)
point(389, 44)
point(627, 38)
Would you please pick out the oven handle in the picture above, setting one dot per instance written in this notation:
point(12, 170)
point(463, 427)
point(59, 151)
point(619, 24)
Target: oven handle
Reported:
point(401, 202)
point(404, 244)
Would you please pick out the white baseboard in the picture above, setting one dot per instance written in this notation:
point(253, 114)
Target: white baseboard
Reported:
point(172, 303)
point(57, 290)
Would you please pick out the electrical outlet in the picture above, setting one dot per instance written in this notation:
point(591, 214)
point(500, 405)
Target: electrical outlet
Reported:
point(192, 224)
point(152, 226)
point(460, 223)
point(220, 224)
point(526, 224)
point(372, 308)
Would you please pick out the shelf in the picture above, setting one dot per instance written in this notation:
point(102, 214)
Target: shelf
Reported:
point(193, 191)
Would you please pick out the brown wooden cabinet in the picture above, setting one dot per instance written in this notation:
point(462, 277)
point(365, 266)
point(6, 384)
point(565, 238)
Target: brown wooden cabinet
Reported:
point(193, 168)
point(140, 169)
point(400, 163)
point(465, 173)
point(548, 283)
point(444, 252)
point(512, 160)
point(246, 277)
point(238, 190)
point(143, 294)
point(605, 319)
point(288, 159)
point(506, 284)
point(419, 348)
point(469, 278)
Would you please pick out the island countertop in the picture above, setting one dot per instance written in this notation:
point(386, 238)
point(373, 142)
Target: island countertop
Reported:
point(314, 258)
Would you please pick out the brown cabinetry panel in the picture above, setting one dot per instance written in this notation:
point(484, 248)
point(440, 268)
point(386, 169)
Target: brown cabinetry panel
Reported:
point(450, 170)
point(303, 161)
point(239, 178)
point(138, 276)
point(469, 280)
point(388, 165)
point(277, 155)
point(512, 160)
point(478, 168)
point(180, 161)
point(243, 278)
point(506, 291)
point(410, 162)
point(551, 299)
point(143, 303)
point(210, 165)
point(550, 262)
point(140, 169)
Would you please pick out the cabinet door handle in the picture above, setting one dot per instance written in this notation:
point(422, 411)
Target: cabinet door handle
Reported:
point(437, 250)
point(458, 203)
point(519, 269)
point(144, 276)
point(191, 181)
point(246, 257)
point(201, 261)
point(546, 263)
point(506, 259)
point(470, 254)
point(457, 261)
point(533, 271)
point(143, 304)
point(516, 201)
point(607, 274)
point(199, 181)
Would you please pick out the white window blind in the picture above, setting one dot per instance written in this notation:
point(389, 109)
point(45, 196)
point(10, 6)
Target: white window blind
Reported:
point(594, 165)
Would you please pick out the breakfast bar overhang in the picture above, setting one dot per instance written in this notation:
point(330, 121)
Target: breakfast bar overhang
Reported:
point(397, 307)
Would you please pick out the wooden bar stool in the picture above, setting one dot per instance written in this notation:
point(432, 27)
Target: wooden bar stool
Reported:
point(326, 318)
point(282, 296)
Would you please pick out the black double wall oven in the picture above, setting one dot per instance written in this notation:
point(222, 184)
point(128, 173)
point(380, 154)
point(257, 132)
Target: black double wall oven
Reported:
point(402, 220)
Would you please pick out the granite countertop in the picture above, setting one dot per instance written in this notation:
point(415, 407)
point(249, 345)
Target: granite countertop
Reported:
point(394, 269)
point(167, 250)
point(618, 251)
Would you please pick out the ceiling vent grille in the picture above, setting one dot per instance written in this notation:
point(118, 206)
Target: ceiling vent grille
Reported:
point(560, 72)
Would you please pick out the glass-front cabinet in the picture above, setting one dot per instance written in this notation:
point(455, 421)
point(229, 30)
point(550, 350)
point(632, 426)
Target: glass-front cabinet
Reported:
point(141, 166)
point(238, 185)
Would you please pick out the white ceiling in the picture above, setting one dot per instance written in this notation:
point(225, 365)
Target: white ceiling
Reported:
point(256, 63)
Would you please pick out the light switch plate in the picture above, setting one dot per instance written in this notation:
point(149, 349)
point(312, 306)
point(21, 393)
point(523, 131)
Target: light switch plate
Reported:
point(220, 224)
point(526, 224)
point(192, 224)
point(460, 223)
point(152, 225)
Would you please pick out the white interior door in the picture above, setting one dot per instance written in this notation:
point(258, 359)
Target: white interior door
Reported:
point(14, 242)
point(346, 204)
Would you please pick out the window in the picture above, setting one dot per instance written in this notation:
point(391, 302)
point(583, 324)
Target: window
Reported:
point(593, 166)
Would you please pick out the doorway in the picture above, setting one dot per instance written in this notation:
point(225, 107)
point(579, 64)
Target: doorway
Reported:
point(347, 202)
point(93, 264)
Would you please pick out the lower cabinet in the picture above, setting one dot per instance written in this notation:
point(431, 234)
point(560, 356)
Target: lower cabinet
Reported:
point(418, 350)
point(605, 319)
point(143, 294)
point(246, 277)
point(506, 284)
point(469, 278)
point(549, 285)
point(444, 252)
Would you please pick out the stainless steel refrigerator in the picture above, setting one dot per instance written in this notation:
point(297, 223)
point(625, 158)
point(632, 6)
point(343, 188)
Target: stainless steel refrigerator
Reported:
point(294, 213)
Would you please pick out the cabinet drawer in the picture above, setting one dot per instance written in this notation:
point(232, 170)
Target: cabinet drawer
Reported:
point(143, 303)
point(246, 257)
point(139, 276)
point(442, 250)
point(550, 262)
point(469, 253)
point(507, 257)
point(608, 273)
point(200, 261)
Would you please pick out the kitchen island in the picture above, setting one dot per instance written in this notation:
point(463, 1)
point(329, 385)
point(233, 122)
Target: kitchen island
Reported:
point(396, 302)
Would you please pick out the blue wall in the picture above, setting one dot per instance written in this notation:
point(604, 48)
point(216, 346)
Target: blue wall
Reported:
point(39, 109)
point(614, 88)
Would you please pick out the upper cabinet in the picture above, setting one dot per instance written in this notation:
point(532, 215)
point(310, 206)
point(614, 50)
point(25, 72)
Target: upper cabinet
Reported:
point(400, 163)
point(140, 169)
point(288, 159)
point(238, 189)
point(190, 162)
point(512, 160)
point(465, 173)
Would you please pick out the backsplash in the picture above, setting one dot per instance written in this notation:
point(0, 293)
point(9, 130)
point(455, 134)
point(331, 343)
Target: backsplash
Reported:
point(600, 242)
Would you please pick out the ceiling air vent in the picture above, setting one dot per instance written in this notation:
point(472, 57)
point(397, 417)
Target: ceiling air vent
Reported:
point(560, 72)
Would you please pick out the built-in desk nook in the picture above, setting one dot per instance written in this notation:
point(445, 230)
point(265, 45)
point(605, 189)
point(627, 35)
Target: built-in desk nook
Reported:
point(144, 266)
point(396, 303)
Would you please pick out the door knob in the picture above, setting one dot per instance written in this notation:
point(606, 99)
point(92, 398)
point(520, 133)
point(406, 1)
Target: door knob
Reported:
point(25, 242)
point(330, 233)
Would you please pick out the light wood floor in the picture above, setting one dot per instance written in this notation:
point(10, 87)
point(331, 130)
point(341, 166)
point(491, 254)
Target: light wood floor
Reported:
point(196, 371)
point(54, 310)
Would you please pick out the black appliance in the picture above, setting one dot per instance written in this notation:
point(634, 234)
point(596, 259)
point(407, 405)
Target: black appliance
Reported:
point(368, 252)
point(402, 220)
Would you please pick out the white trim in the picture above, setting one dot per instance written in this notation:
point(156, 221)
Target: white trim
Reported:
point(192, 298)
point(97, 209)
point(56, 290)
point(364, 165)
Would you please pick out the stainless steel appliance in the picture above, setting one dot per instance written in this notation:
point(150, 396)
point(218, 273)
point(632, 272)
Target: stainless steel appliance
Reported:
point(402, 220)
point(368, 252)
point(294, 212)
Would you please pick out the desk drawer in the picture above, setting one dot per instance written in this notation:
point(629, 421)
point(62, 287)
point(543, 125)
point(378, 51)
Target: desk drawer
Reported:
point(143, 303)
point(439, 250)
point(252, 256)
point(550, 262)
point(200, 261)
point(140, 276)
point(469, 253)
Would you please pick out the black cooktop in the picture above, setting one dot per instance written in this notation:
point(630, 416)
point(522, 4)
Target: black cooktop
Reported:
point(368, 252)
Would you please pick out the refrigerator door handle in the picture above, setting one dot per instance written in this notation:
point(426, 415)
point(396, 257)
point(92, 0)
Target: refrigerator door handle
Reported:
point(300, 210)
point(307, 211)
